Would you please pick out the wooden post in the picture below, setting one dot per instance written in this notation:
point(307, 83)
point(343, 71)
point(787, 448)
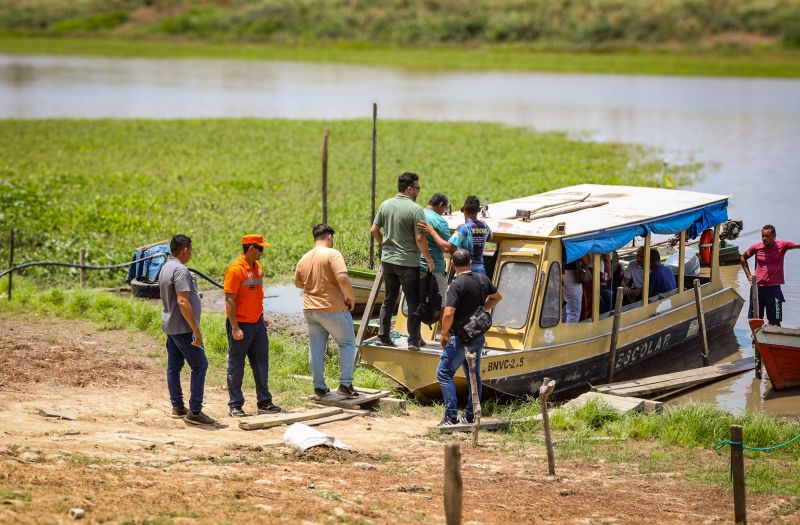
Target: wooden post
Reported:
point(374, 180)
point(647, 268)
point(701, 320)
point(83, 263)
point(681, 260)
point(10, 261)
point(737, 473)
point(453, 484)
point(548, 385)
point(756, 315)
point(476, 400)
point(612, 354)
point(325, 176)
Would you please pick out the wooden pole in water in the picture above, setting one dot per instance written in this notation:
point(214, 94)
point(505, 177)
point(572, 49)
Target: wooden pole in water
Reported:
point(548, 385)
point(325, 176)
point(374, 180)
point(453, 484)
point(612, 353)
point(82, 261)
point(701, 320)
point(756, 314)
point(476, 400)
point(737, 472)
point(10, 261)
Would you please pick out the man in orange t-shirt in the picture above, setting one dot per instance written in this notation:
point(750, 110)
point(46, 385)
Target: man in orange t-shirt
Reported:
point(246, 327)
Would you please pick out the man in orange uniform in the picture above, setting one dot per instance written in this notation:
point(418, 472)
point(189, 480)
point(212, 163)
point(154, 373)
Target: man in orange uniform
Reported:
point(246, 327)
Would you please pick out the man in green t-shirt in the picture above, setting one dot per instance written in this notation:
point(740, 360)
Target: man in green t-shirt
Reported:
point(401, 244)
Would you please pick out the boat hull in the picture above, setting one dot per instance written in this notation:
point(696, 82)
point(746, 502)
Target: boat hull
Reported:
point(518, 373)
point(780, 354)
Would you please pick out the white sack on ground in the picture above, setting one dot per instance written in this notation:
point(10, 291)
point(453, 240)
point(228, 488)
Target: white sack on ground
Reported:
point(303, 437)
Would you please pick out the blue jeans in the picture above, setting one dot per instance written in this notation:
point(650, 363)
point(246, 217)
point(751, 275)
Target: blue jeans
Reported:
point(453, 357)
point(254, 345)
point(340, 327)
point(180, 349)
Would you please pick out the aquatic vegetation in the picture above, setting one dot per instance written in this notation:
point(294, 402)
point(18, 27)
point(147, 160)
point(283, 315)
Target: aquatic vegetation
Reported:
point(110, 186)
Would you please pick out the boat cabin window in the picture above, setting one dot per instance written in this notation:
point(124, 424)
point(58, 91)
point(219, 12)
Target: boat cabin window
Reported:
point(516, 283)
point(551, 305)
point(490, 258)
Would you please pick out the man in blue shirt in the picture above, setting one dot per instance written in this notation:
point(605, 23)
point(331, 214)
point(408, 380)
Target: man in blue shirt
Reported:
point(662, 280)
point(435, 223)
point(471, 236)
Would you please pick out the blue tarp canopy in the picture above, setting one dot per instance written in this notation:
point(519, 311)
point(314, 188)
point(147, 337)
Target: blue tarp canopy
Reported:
point(604, 241)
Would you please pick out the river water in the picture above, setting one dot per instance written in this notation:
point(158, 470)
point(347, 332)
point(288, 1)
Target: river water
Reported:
point(745, 131)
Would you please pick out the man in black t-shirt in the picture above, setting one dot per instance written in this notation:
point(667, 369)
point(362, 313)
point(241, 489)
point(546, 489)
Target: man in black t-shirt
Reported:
point(466, 293)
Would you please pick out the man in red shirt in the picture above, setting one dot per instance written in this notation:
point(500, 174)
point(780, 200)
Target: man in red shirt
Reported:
point(768, 273)
point(246, 327)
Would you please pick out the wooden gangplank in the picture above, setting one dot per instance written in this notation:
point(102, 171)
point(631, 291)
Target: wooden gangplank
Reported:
point(333, 399)
point(285, 418)
point(649, 386)
point(487, 423)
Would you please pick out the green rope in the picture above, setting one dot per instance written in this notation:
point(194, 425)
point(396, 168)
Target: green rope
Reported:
point(724, 442)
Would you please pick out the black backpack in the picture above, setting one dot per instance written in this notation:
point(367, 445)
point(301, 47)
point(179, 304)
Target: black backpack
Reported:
point(430, 301)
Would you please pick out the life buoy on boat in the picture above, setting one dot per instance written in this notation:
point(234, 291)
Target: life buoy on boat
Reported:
point(705, 246)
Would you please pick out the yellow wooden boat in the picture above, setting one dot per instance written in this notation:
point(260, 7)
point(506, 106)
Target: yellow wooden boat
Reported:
point(529, 341)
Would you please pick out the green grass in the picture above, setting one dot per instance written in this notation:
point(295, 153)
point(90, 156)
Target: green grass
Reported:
point(674, 440)
point(288, 355)
point(758, 62)
point(584, 23)
point(110, 186)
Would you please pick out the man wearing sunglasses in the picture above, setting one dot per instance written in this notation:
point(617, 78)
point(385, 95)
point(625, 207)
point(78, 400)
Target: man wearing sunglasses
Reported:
point(246, 327)
point(401, 244)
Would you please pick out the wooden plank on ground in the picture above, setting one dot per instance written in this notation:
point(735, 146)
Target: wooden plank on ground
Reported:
point(487, 423)
point(661, 383)
point(358, 388)
point(336, 400)
point(274, 420)
point(330, 419)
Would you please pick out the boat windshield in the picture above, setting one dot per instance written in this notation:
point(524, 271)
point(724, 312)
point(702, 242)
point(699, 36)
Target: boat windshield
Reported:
point(516, 283)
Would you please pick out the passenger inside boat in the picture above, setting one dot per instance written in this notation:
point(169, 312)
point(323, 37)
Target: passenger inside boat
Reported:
point(662, 280)
point(633, 280)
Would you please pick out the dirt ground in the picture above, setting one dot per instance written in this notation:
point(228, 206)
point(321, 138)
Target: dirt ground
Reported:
point(124, 460)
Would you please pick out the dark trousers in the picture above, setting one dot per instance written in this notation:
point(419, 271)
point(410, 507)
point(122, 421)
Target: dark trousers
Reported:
point(407, 277)
point(180, 350)
point(770, 302)
point(254, 345)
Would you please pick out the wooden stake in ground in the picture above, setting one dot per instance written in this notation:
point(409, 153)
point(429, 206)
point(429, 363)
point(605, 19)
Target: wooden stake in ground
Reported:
point(452, 483)
point(82, 261)
point(476, 400)
point(10, 261)
point(612, 354)
point(756, 314)
point(548, 385)
point(325, 176)
point(701, 319)
point(374, 180)
point(737, 472)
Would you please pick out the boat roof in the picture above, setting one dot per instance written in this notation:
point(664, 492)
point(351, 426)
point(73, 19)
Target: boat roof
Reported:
point(612, 207)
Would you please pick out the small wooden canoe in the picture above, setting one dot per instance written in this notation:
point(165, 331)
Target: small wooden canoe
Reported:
point(780, 353)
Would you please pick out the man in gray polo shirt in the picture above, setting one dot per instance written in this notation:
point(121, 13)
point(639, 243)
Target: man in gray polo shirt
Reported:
point(401, 244)
point(180, 320)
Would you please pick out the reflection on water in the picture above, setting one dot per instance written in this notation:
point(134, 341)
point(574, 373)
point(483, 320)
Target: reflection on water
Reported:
point(746, 131)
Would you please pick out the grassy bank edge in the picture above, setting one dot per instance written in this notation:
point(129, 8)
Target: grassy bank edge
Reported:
point(767, 62)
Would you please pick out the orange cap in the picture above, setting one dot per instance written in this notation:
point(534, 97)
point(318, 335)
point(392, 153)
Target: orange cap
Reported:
point(255, 239)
